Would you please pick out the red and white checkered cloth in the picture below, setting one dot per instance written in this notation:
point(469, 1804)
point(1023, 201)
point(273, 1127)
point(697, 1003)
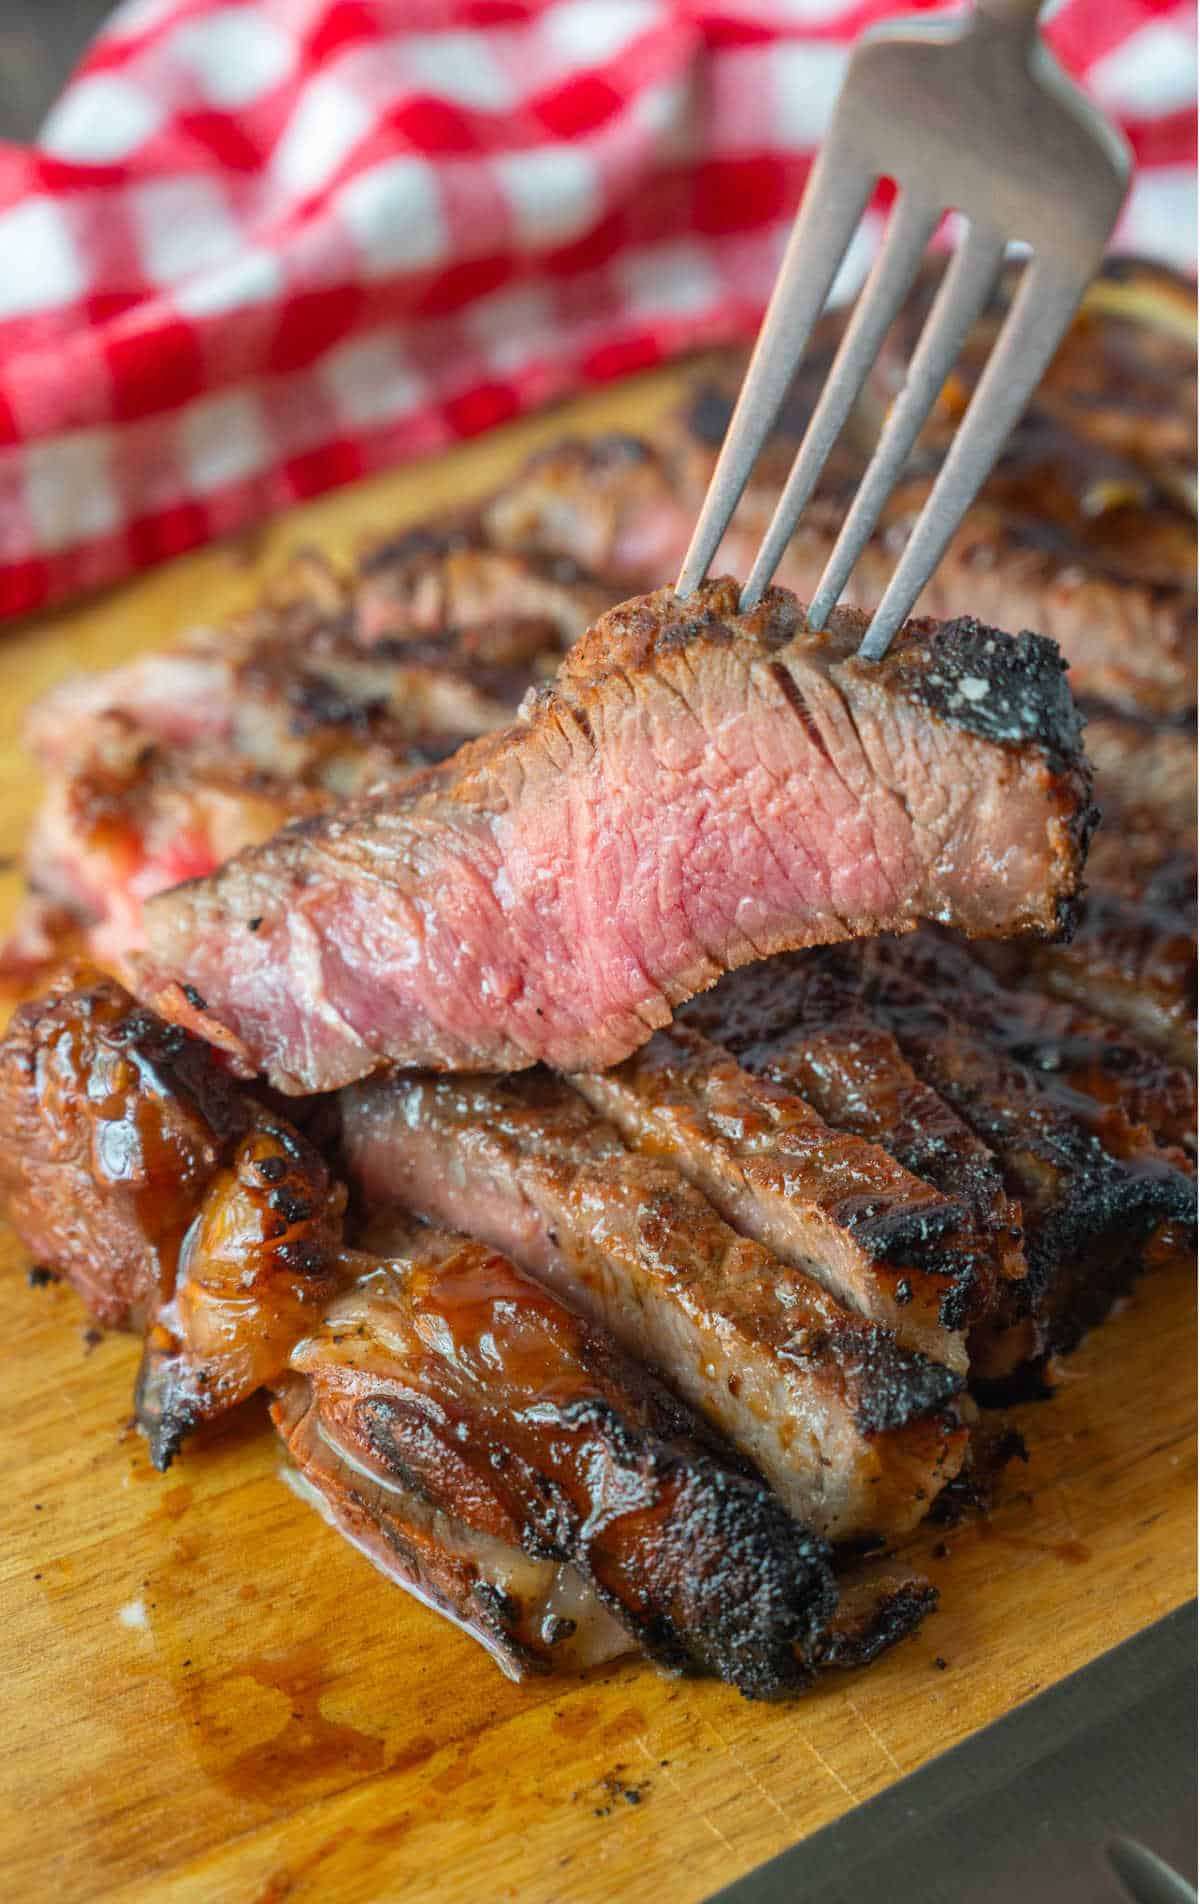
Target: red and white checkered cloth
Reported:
point(259, 250)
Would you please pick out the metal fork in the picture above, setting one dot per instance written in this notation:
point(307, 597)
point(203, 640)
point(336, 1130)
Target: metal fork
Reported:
point(967, 115)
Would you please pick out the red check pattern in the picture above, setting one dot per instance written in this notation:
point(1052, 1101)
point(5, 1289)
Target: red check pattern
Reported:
point(260, 250)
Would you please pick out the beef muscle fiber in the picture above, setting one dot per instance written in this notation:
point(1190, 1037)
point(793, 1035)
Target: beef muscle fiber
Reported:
point(697, 789)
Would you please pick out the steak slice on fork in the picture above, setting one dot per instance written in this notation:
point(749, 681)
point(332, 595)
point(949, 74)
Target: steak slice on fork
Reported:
point(699, 788)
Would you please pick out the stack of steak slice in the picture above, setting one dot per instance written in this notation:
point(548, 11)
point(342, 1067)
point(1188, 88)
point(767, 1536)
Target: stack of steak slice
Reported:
point(488, 1444)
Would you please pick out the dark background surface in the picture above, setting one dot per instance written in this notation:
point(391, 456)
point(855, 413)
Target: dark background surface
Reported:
point(40, 43)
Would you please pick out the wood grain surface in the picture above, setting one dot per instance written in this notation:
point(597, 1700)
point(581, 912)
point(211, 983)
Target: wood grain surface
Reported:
point(210, 1698)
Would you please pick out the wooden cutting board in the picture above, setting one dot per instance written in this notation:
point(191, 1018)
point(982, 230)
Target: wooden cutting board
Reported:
point(210, 1698)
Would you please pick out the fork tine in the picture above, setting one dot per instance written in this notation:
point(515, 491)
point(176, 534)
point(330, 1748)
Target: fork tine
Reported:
point(1041, 311)
point(963, 294)
point(910, 228)
point(828, 218)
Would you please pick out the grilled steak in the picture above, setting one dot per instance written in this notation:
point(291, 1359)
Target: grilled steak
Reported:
point(174, 1201)
point(162, 769)
point(531, 1615)
point(112, 1126)
point(698, 788)
point(856, 1434)
point(1133, 961)
point(1092, 1187)
point(453, 1373)
point(802, 1022)
point(825, 1201)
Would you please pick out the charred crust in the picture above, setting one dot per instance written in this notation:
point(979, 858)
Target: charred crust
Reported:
point(897, 1610)
point(1003, 688)
point(892, 1386)
point(757, 1588)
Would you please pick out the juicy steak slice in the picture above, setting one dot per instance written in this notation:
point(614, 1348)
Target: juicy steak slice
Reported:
point(454, 1373)
point(174, 1201)
point(698, 789)
point(802, 1022)
point(855, 1434)
point(877, 1238)
point(531, 1615)
point(162, 769)
point(1094, 1068)
point(1133, 960)
point(1093, 1188)
point(112, 1126)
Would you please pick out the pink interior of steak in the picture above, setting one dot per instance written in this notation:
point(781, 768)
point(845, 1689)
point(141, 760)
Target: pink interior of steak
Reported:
point(698, 790)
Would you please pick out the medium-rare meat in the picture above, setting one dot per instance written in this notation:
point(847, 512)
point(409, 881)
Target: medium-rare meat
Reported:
point(449, 1370)
point(856, 1434)
point(453, 1413)
point(824, 1200)
point(1092, 1187)
point(699, 788)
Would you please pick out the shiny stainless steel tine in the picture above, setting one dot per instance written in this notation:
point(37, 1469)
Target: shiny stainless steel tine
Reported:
point(1041, 311)
point(910, 228)
point(963, 294)
point(834, 201)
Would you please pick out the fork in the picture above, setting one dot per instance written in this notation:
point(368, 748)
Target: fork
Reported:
point(969, 115)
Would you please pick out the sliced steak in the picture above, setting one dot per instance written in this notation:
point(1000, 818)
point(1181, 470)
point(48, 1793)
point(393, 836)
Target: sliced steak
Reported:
point(856, 1434)
point(1094, 1068)
point(825, 1201)
point(698, 789)
point(531, 1615)
point(1133, 960)
point(112, 1127)
point(162, 769)
point(175, 1202)
point(802, 1021)
point(1092, 1187)
point(454, 1373)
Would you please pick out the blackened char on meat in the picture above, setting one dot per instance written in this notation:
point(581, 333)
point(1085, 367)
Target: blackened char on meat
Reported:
point(531, 1615)
point(802, 1022)
point(458, 1419)
point(856, 1434)
point(1092, 1187)
point(452, 1372)
point(824, 1200)
point(699, 788)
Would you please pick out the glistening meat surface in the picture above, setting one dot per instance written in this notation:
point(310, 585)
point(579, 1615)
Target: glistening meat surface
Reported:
point(856, 1434)
point(698, 789)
